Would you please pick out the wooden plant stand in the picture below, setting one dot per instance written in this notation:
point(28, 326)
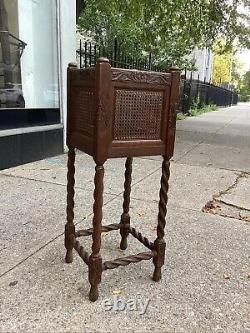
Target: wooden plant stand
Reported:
point(118, 113)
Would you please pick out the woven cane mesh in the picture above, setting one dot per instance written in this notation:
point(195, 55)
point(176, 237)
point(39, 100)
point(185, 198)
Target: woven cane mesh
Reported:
point(84, 113)
point(138, 114)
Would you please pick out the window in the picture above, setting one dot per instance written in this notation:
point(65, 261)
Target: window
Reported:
point(29, 93)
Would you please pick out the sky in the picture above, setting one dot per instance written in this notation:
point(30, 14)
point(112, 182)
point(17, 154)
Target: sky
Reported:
point(244, 57)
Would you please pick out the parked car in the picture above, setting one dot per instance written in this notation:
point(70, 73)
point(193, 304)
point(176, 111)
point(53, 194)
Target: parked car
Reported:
point(11, 96)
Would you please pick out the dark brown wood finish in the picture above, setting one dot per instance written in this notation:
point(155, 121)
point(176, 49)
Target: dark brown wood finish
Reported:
point(114, 113)
point(103, 110)
point(174, 100)
point(144, 90)
point(82, 109)
point(95, 260)
point(159, 244)
point(70, 227)
point(125, 218)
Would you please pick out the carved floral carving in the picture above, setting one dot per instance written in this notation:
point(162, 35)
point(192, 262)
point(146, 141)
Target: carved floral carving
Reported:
point(103, 112)
point(85, 75)
point(172, 115)
point(141, 77)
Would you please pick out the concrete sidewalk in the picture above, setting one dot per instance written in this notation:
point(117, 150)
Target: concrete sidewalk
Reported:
point(205, 284)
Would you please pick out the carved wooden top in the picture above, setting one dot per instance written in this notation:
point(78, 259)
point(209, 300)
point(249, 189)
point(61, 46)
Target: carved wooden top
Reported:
point(140, 76)
point(86, 74)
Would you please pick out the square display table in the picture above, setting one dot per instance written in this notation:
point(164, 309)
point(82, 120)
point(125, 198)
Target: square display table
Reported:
point(112, 113)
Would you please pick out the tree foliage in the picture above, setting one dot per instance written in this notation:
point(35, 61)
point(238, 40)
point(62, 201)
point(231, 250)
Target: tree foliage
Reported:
point(222, 68)
point(226, 67)
point(245, 87)
point(222, 64)
point(170, 29)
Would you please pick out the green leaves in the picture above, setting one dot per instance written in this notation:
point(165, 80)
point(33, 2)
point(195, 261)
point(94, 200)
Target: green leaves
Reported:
point(245, 87)
point(170, 29)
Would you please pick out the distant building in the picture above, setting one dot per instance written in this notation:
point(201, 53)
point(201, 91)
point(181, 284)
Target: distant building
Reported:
point(203, 62)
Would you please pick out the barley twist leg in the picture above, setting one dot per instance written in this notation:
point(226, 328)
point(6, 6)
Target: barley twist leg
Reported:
point(69, 227)
point(95, 260)
point(125, 218)
point(159, 243)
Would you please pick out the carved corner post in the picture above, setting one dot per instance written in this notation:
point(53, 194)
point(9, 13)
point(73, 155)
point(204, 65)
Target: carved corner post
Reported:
point(174, 100)
point(125, 218)
point(69, 239)
point(159, 244)
point(102, 140)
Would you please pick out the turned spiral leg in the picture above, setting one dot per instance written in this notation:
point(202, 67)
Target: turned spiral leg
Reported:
point(125, 218)
point(159, 243)
point(95, 260)
point(69, 227)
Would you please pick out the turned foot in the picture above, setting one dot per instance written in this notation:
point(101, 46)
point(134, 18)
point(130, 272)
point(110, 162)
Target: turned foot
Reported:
point(123, 244)
point(157, 274)
point(69, 244)
point(69, 257)
point(93, 293)
point(95, 275)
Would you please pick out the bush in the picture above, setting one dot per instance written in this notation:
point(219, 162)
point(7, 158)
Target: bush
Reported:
point(244, 98)
point(204, 109)
point(196, 111)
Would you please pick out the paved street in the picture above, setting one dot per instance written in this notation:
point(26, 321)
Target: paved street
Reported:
point(206, 278)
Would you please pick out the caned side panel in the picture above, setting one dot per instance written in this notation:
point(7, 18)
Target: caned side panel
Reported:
point(83, 110)
point(140, 105)
point(82, 101)
point(138, 114)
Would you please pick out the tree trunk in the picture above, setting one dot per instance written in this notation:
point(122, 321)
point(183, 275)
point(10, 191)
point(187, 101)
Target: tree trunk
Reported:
point(80, 5)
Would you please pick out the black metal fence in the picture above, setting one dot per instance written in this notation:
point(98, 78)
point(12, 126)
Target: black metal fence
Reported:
point(87, 54)
point(194, 93)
